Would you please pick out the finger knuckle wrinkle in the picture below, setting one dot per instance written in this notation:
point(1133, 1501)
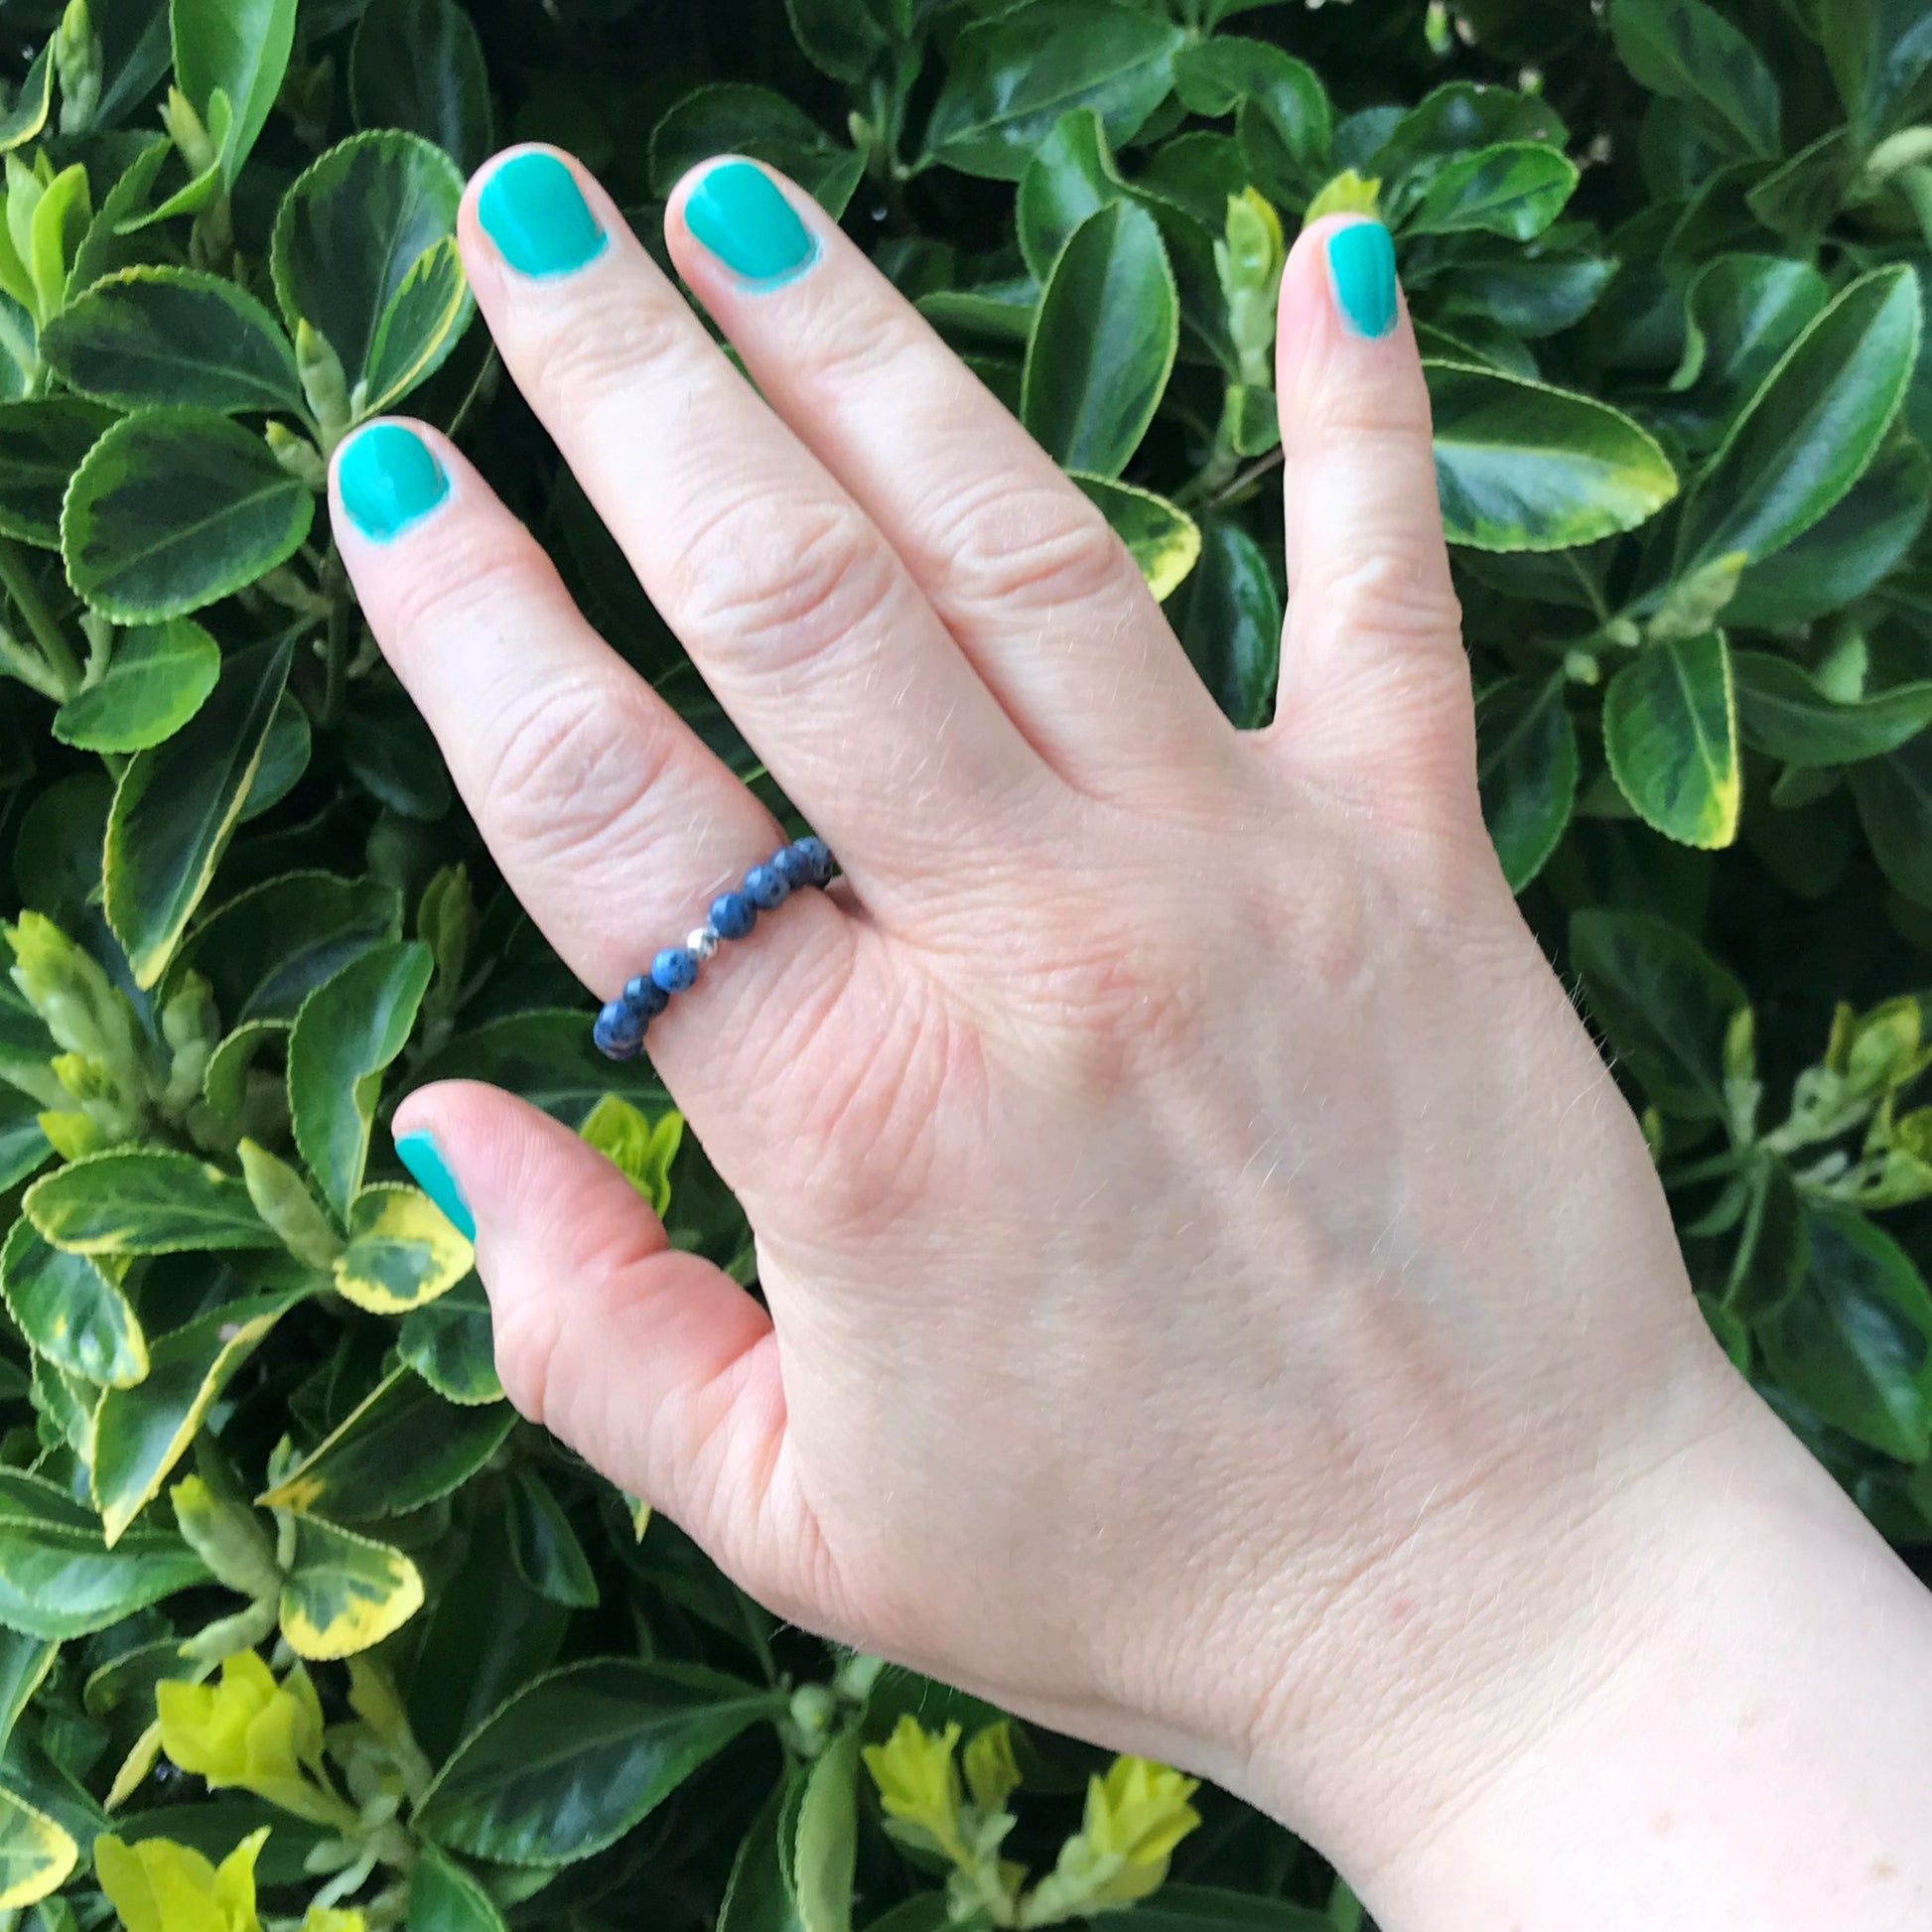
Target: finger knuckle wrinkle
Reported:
point(582, 361)
point(473, 581)
point(1395, 593)
point(528, 1339)
point(1034, 551)
point(574, 763)
point(785, 582)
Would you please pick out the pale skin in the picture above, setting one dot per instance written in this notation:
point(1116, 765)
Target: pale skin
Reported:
point(1218, 1303)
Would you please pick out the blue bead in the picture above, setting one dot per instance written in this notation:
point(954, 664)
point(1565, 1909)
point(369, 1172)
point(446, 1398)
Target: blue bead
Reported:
point(619, 1033)
point(733, 915)
point(674, 969)
point(793, 867)
point(765, 886)
point(817, 855)
point(644, 997)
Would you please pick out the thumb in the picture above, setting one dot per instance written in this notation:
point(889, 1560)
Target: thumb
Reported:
point(657, 1367)
point(1375, 683)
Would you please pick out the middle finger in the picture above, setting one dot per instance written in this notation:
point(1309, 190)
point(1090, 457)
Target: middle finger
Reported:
point(801, 617)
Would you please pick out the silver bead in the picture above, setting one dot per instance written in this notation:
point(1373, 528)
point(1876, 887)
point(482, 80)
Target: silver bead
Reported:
point(701, 943)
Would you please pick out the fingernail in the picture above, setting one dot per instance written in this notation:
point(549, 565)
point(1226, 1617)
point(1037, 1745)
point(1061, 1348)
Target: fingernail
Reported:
point(1361, 259)
point(534, 210)
point(389, 478)
point(737, 213)
point(418, 1152)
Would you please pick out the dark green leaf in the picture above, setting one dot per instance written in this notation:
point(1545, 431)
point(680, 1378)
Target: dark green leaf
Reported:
point(547, 1059)
point(1011, 79)
point(1894, 799)
point(573, 1762)
point(177, 805)
point(731, 118)
point(450, 1346)
point(1209, 1908)
point(419, 65)
point(174, 509)
point(1689, 52)
point(144, 1201)
point(1785, 713)
point(1528, 771)
point(1670, 731)
point(1515, 190)
point(548, 1556)
point(1103, 344)
point(41, 445)
point(240, 47)
point(1880, 53)
point(442, 1898)
point(1229, 621)
point(70, 1313)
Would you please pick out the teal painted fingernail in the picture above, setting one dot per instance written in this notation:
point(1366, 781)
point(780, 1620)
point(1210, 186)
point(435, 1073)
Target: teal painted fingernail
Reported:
point(534, 210)
point(419, 1152)
point(1361, 258)
point(736, 212)
point(389, 478)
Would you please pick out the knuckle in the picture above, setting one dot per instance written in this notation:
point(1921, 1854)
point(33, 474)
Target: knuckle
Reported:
point(785, 580)
point(1034, 549)
point(574, 764)
point(1393, 593)
point(471, 579)
point(528, 1339)
point(579, 366)
point(851, 345)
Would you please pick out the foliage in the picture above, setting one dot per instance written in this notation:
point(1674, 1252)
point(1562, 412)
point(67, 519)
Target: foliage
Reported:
point(291, 1607)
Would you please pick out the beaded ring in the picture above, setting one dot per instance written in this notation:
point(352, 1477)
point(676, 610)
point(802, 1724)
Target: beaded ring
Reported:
point(619, 1030)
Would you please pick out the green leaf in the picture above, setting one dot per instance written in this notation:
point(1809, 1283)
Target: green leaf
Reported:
point(174, 509)
point(1742, 314)
point(758, 1897)
point(348, 237)
point(1521, 466)
point(1527, 769)
point(1894, 800)
point(1848, 552)
point(1880, 54)
point(640, 1151)
point(419, 65)
point(1070, 177)
point(41, 445)
point(402, 1252)
point(37, 1856)
point(548, 1556)
point(348, 1031)
point(144, 1201)
point(1227, 74)
point(1856, 1342)
point(847, 39)
point(450, 1346)
point(1515, 190)
point(59, 1579)
point(27, 117)
point(442, 1898)
point(1664, 1003)
point(173, 335)
point(1228, 618)
point(576, 1759)
point(1670, 731)
point(1103, 343)
point(1785, 714)
point(1011, 79)
point(1687, 51)
point(1812, 430)
point(178, 803)
point(264, 952)
point(343, 1593)
point(1208, 1908)
point(241, 48)
point(731, 118)
point(140, 1434)
point(423, 323)
point(1163, 540)
point(402, 1448)
point(825, 1842)
point(157, 678)
point(70, 1313)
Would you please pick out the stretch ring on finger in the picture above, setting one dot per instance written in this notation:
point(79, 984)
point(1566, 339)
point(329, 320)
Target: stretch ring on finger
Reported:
point(619, 1029)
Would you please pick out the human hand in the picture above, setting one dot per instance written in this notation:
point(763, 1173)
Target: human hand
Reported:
point(1215, 1294)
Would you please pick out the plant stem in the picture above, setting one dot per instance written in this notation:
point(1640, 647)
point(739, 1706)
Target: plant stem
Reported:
point(335, 689)
point(18, 579)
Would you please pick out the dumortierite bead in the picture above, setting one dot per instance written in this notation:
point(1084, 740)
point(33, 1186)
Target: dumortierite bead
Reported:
point(818, 859)
point(644, 997)
point(733, 915)
point(791, 866)
point(674, 969)
point(766, 887)
point(619, 1030)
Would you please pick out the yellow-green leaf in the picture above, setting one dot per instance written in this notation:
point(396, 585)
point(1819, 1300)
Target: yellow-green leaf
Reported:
point(1670, 732)
point(1161, 537)
point(345, 1592)
point(36, 1855)
point(402, 1252)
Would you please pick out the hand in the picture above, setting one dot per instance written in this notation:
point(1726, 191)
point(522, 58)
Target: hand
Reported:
point(1217, 1300)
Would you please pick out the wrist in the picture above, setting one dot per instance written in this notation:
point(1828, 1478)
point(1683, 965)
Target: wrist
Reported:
point(1719, 1715)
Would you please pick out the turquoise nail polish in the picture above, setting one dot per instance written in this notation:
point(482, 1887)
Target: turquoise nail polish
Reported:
point(736, 212)
point(534, 210)
point(390, 479)
point(1361, 258)
point(419, 1152)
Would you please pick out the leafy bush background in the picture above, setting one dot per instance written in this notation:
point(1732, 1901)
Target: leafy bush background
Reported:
point(1669, 265)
